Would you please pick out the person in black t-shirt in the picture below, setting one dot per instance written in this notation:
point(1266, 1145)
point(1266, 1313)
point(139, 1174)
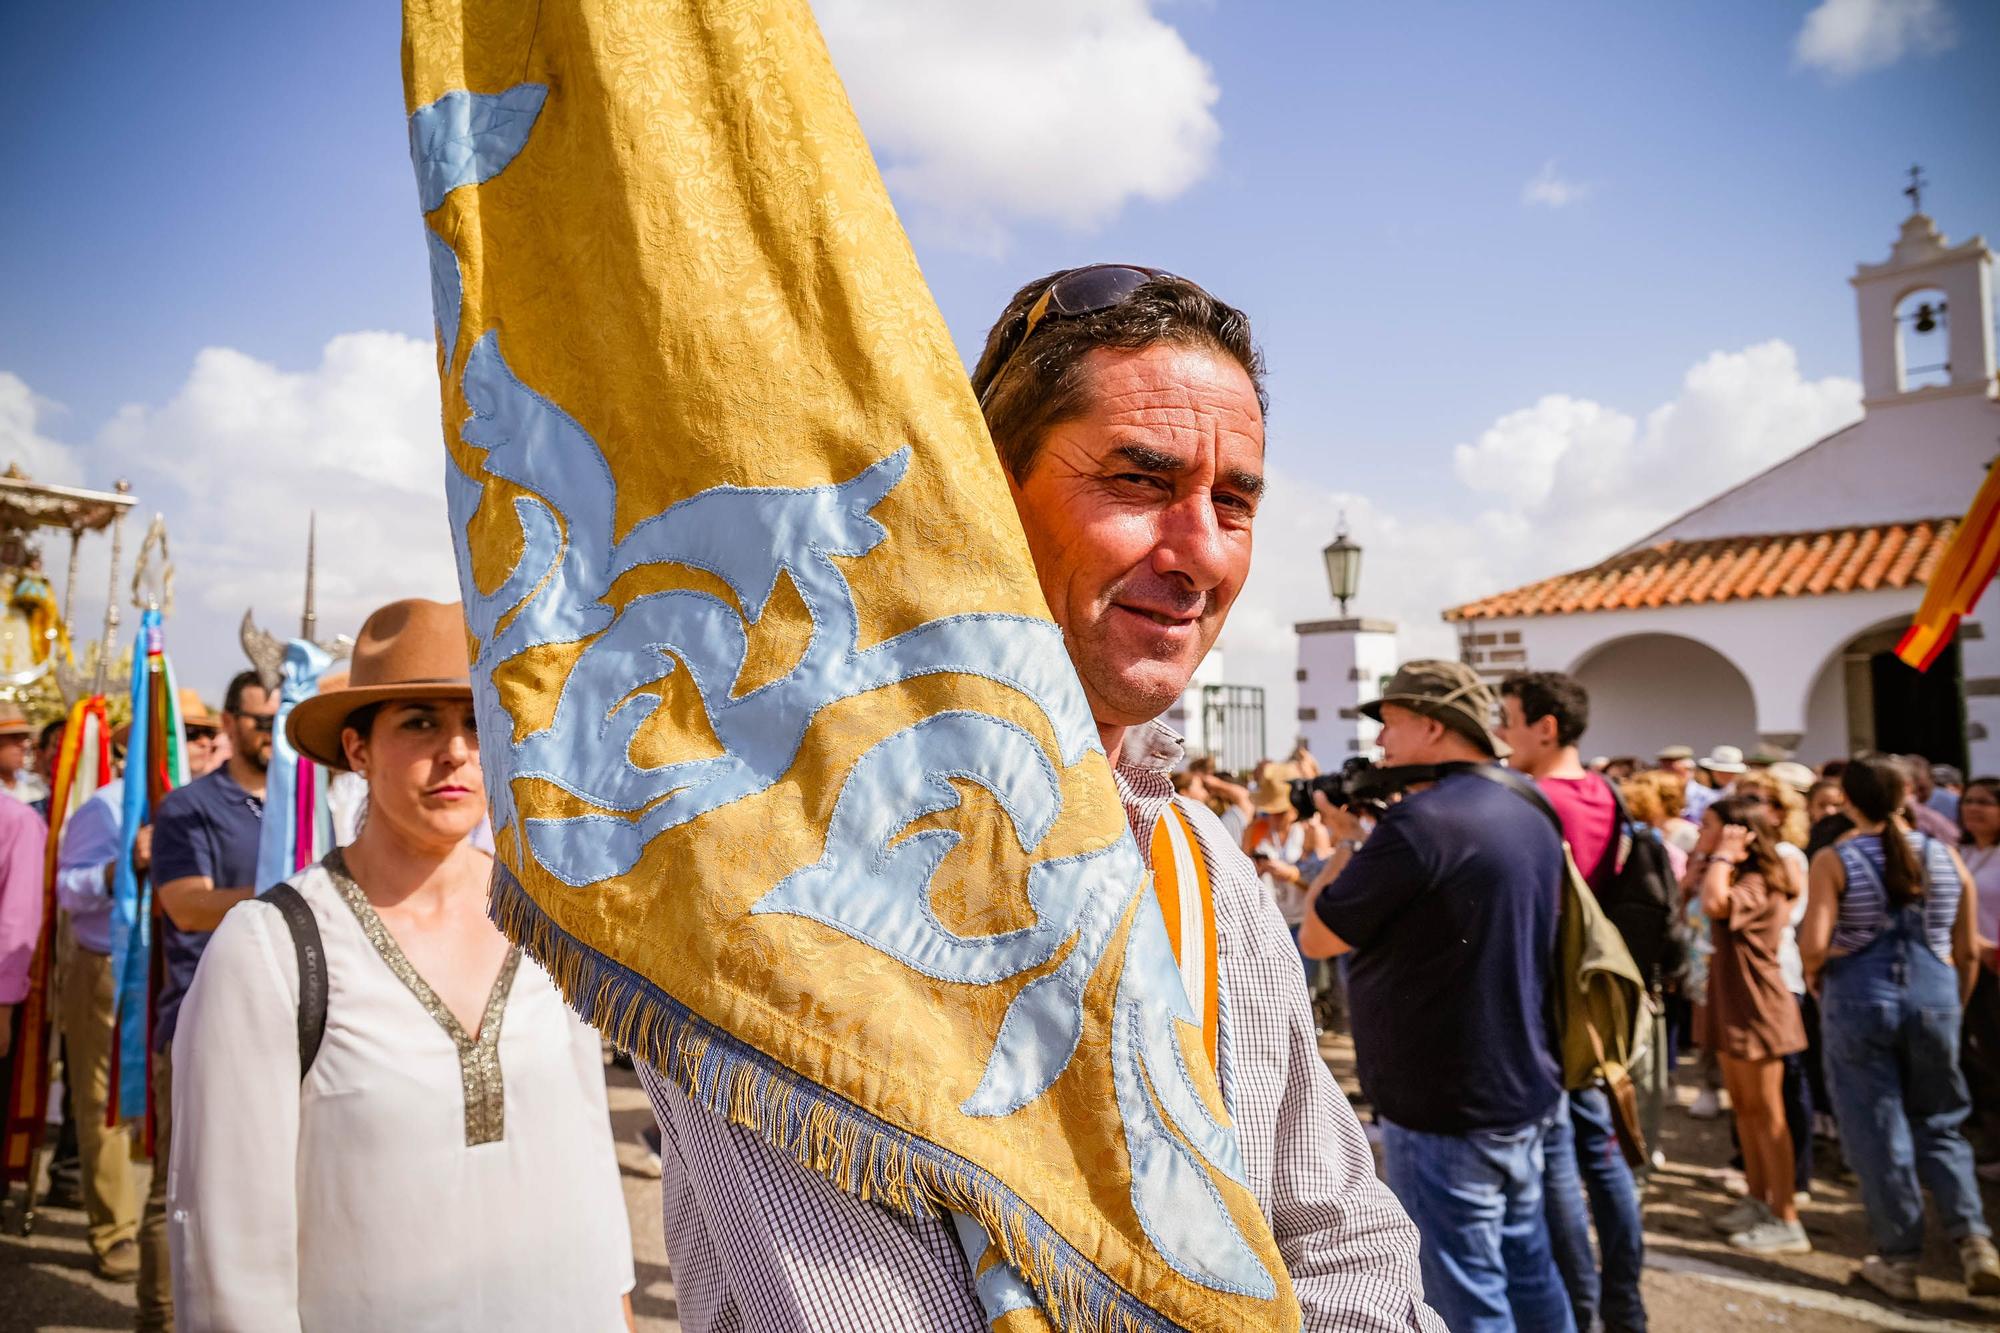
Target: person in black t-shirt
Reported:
point(1448, 916)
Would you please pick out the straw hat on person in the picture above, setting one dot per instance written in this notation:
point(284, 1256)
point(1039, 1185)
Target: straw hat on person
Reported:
point(1675, 754)
point(411, 649)
point(13, 722)
point(194, 713)
point(1271, 790)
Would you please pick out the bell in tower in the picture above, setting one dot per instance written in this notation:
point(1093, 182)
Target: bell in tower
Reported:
point(1926, 314)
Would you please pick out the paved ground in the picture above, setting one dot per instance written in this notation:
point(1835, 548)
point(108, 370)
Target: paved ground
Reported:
point(1694, 1283)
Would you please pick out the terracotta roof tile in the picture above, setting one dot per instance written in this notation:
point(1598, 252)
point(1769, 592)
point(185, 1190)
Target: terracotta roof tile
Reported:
point(1784, 564)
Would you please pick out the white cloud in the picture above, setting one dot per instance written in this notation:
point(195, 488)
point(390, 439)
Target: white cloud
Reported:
point(1550, 190)
point(1555, 486)
point(1061, 111)
point(235, 459)
point(1849, 37)
point(21, 440)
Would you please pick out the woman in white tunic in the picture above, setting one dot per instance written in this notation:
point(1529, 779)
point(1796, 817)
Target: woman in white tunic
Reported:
point(446, 1161)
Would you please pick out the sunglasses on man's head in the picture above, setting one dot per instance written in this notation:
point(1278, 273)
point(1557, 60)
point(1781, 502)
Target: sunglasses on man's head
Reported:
point(1089, 290)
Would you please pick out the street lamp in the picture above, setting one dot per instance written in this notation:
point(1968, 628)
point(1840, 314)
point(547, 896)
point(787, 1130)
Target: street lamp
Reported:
point(1343, 566)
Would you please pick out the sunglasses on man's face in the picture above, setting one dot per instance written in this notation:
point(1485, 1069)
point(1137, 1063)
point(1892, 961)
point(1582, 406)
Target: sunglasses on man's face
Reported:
point(1089, 290)
point(264, 722)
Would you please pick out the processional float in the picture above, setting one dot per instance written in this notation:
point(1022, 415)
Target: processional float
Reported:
point(44, 675)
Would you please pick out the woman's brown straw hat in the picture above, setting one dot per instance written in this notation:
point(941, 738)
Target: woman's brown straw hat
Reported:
point(411, 649)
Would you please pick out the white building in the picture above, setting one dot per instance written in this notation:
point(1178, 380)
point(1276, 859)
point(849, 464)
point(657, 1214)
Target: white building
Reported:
point(1767, 615)
point(1342, 665)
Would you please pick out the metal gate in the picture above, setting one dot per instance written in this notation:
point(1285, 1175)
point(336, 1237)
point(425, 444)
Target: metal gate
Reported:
point(1232, 725)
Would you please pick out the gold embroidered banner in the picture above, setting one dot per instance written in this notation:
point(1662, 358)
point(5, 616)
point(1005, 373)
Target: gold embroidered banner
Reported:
point(795, 791)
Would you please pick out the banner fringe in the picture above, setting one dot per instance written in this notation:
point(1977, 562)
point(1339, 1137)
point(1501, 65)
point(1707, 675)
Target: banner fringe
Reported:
point(821, 1131)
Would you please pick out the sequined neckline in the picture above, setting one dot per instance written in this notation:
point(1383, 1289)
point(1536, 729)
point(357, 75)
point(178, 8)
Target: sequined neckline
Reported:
point(478, 1057)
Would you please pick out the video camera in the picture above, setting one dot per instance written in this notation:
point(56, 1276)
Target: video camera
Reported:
point(1364, 786)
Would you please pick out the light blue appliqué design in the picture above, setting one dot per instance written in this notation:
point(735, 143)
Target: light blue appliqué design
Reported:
point(447, 293)
point(871, 883)
point(469, 138)
point(999, 1289)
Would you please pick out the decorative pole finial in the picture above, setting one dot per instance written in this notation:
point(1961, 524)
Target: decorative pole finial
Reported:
point(309, 622)
point(1915, 189)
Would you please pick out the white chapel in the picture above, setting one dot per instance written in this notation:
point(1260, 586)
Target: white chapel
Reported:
point(1766, 616)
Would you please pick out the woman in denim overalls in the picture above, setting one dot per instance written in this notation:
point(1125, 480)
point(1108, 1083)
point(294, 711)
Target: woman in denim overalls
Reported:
point(1888, 908)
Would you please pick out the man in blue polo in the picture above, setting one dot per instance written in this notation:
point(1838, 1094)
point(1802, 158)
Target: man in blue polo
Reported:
point(205, 839)
point(1447, 913)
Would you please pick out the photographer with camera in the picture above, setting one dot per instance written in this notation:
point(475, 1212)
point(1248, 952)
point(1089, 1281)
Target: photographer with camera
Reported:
point(1448, 911)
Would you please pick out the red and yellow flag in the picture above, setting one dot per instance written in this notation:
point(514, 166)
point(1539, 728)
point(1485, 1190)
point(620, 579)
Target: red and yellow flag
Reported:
point(1962, 573)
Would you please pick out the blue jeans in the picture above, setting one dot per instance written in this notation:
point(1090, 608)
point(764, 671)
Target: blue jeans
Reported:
point(1583, 1154)
point(1889, 1018)
point(1477, 1201)
point(1311, 965)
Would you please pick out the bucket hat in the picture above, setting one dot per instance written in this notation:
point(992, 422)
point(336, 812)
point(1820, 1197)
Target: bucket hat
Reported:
point(1451, 692)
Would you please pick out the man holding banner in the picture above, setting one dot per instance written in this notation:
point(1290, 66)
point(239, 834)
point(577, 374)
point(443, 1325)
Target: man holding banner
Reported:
point(1127, 408)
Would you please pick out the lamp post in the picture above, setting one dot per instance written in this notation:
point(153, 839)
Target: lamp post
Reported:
point(1343, 566)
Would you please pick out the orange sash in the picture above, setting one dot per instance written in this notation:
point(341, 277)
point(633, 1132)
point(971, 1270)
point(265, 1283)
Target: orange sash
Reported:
point(1187, 900)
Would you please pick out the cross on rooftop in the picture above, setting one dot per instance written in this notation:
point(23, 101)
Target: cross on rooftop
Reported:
point(1915, 189)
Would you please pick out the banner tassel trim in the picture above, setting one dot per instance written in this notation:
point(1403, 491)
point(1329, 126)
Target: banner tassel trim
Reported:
point(822, 1132)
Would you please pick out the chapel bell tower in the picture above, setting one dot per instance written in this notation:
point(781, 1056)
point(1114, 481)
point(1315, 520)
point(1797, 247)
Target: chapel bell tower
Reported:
point(1926, 315)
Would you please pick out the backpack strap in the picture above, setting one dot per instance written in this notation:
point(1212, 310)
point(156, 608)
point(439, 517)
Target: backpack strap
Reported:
point(1522, 788)
point(1623, 832)
point(299, 919)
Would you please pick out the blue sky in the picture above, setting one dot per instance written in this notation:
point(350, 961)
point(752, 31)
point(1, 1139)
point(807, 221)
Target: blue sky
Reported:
point(175, 178)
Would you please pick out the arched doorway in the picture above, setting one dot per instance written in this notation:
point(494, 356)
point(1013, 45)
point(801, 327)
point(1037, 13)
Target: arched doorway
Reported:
point(1649, 691)
point(1895, 707)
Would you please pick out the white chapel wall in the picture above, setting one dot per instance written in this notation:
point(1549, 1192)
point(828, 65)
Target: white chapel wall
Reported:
point(1918, 459)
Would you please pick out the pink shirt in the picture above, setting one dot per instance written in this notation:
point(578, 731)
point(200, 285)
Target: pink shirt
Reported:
point(22, 840)
point(1589, 820)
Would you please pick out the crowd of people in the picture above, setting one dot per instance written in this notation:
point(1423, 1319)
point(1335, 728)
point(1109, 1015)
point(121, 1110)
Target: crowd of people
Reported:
point(1830, 965)
point(373, 1111)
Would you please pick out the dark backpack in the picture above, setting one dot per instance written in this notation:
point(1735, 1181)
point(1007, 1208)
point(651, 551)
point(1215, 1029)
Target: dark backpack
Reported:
point(1597, 999)
point(1640, 896)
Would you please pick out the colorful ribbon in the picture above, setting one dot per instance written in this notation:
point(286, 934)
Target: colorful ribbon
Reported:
point(298, 826)
point(155, 763)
